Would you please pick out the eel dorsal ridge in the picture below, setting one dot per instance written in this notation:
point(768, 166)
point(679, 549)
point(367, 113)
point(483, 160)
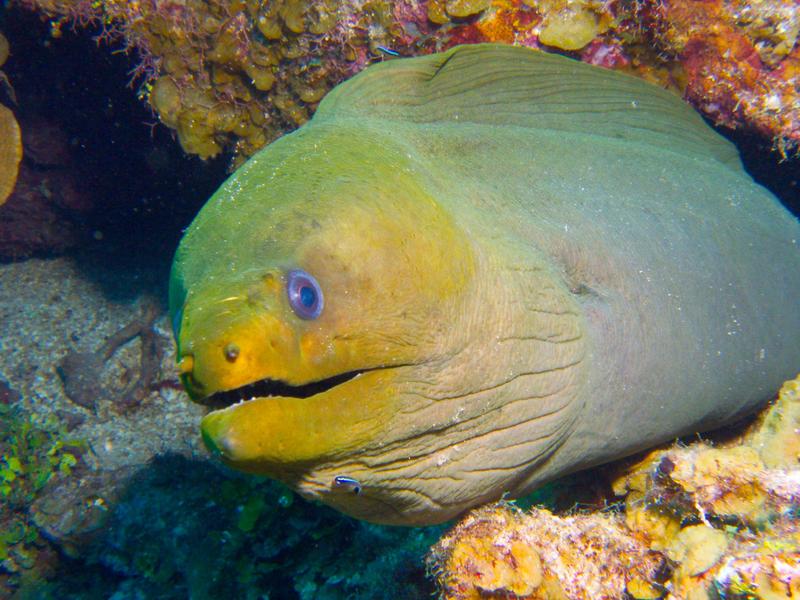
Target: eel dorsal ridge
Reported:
point(495, 84)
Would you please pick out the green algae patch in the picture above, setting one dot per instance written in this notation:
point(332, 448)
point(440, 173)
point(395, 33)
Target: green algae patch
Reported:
point(250, 512)
point(32, 454)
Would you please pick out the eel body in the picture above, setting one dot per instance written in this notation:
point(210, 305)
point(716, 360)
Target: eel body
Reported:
point(473, 272)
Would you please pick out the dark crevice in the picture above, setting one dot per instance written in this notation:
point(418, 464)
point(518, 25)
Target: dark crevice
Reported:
point(270, 387)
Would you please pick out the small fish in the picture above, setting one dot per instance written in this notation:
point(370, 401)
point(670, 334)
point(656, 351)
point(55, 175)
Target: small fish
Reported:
point(347, 484)
point(388, 51)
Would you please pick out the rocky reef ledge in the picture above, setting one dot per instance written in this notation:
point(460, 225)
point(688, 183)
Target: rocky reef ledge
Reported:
point(700, 521)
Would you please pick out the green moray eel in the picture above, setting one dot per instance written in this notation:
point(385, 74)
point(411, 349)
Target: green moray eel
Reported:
point(476, 271)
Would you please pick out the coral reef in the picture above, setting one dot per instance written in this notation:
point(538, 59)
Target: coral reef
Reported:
point(94, 175)
point(32, 455)
point(65, 466)
point(498, 551)
point(699, 521)
point(8, 395)
point(726, 513)
point(235, 75)
point(739, 60)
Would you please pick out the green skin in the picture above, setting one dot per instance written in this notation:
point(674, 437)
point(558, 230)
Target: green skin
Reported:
point(539, 266)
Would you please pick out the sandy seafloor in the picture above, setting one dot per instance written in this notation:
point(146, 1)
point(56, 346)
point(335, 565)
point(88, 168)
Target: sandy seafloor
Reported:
point(49, 307)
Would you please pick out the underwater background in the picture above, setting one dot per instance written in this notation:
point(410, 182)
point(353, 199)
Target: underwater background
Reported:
point(105, 488)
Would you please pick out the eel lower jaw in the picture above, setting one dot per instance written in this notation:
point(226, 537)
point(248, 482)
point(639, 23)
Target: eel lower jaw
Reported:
point(269, 388)
point(281, 435)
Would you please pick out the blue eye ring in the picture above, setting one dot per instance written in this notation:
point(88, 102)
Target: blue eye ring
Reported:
point(305, 295)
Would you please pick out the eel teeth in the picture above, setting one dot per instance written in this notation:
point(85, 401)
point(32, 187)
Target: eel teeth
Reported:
point(267, 388)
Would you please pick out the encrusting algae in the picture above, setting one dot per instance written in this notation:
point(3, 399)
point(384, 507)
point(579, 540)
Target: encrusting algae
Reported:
point(236, 75)
point(700, 522)
point(500, 552)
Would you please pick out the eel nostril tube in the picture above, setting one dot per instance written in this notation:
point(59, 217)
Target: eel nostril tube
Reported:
point(186, 364)
point(231, 352)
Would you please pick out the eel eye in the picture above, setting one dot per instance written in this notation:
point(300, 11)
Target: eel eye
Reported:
point(305, 295)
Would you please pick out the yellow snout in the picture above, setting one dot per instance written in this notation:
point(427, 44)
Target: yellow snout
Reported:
point(231, 355)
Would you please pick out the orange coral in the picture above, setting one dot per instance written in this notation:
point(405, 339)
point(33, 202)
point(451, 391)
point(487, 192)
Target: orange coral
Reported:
point(235, 74)
point(10, 137)
point(10, 152)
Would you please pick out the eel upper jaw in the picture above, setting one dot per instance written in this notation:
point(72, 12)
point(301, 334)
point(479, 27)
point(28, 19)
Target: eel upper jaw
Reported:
point(265, 388)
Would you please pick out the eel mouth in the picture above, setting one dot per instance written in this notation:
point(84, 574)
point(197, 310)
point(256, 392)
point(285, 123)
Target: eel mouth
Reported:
point(265, 388)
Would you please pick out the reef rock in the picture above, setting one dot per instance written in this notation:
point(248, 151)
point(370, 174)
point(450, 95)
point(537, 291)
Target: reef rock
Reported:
point(45, 213)
point(699, 521)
